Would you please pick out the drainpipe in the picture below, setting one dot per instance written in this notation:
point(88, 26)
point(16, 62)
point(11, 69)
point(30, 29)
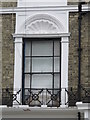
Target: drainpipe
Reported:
point(79, 116)
point(79, 49)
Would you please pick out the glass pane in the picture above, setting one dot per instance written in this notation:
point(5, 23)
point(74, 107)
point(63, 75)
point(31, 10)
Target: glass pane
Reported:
point(41, 64)
point(27, 48)
point(42, 48)
point(27, 81)
point(56, 64)
point(27, 64)
point(56, 80)
point(56, 48)
point(42, 81)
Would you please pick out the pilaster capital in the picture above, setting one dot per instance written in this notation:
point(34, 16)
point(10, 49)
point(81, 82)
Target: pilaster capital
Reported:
point(18, 40)
point(65, 39)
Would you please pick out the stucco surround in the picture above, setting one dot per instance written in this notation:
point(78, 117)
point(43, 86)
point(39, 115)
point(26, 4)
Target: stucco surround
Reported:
point(42, 24)
point(34, 3)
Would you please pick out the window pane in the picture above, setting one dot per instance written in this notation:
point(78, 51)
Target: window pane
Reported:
point(41, 64)
point(27, 64)
point(42, 48)
point(56, 80)
point(27, 48)
point(57, 48)
point(27, 81)
point(42, 81)
point(56, 64)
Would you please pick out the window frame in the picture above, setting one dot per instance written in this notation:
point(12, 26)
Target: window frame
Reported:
point(53, 72)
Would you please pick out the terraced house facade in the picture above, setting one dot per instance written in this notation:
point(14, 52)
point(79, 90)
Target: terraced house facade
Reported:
point(44, 59)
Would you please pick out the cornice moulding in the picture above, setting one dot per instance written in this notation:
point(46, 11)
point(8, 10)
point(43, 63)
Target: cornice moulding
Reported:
point(41, 35)
point(68, 8)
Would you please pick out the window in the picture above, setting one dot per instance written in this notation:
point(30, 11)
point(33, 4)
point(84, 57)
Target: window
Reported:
point(41, 63)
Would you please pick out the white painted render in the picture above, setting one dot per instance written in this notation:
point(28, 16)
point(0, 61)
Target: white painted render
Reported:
point(34, 3)
point(69, 8)
point(46, 23)
point(64, 70)
point(29, 112)
point(85, 108)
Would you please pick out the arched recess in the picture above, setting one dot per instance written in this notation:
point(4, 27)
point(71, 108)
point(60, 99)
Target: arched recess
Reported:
point(42, 24)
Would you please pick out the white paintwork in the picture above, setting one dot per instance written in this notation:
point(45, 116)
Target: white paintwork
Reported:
point(87, 114)
point(57, 19)
point(55, 35)
point(64, 67)
point(85, 108)
point(42, 23)
point(64, 70)
point(69, 8)
point(34, 3)
point(18, 67)
point(36, 112)
point(37, 27)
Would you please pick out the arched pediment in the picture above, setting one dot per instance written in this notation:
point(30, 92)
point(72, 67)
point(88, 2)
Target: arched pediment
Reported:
point(43, 24)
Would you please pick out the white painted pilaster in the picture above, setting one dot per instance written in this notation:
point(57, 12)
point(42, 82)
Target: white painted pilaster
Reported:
point(64, 70)
point(18, 67)
point(85, 108)
point(87, 114)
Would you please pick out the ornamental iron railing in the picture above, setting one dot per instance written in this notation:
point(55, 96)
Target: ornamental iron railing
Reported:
point(50, 97)
point(38, 97)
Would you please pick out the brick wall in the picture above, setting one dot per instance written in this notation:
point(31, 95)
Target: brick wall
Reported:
point(75, 2)
point(9, 4)
point(73, 51)
point(8, 25)
point(73, 46)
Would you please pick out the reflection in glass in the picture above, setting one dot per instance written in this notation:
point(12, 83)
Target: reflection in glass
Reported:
point(27, 64)
point(27, 81)
point(56, 80)
point(42, 81)
point(41, 64)
point(56, 64)
point(27, 48)
point(56, 48)
point(42, 48)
